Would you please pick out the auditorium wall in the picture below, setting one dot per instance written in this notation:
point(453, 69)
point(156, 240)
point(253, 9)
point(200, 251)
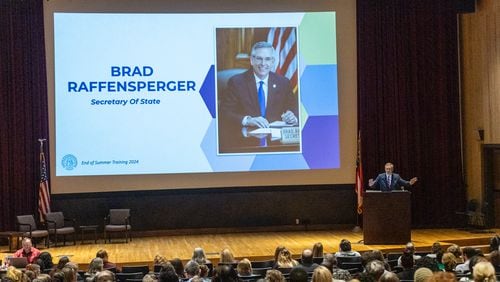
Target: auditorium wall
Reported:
point(480, 79)
point(275, 208)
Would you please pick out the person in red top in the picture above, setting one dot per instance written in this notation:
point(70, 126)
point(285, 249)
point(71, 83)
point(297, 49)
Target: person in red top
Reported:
point(28, 251)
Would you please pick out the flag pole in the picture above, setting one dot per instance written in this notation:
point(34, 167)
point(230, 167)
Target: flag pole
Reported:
point(358, 186)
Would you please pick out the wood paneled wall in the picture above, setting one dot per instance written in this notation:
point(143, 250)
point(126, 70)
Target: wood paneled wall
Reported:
point(480, 78)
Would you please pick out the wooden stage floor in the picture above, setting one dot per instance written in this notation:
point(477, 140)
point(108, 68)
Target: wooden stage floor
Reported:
point(255, 246)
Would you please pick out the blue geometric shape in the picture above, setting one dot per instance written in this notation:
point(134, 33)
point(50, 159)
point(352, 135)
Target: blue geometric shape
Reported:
point(318, 132)
point(318, 88)
point(207, 90)
point(279, 162)
point(220, 163)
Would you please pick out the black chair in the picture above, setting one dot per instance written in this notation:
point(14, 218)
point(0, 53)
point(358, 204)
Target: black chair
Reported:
point(57, 224)
point(26, 224)
point(124, 277)
point(393, 255)
point(250, 278)
point(262, 264)
point(144, 269)
point(318, 260)
point(156, 268)
point(352, 267)
point(284, 270)
point(232, 264)
point(348, 259)
point(260, 271)
point(118, 220)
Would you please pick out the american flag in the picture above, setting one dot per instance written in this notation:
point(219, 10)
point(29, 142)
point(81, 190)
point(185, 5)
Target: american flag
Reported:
point(359, 177)
point(284, 40)
point(43, 190)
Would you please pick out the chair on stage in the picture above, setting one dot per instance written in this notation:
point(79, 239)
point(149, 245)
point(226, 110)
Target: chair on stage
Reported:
point(118, 220)
point(26, 224)
point(57, 225)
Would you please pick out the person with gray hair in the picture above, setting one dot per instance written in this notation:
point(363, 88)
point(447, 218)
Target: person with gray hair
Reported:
point(192, 269)
point(259, 96)
point(375, 269)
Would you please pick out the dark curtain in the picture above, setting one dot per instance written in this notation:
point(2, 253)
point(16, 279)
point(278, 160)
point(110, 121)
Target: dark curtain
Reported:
point(409, 103)
point(23, 106)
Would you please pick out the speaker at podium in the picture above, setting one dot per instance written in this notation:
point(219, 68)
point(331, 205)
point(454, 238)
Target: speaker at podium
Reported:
point(386, 217)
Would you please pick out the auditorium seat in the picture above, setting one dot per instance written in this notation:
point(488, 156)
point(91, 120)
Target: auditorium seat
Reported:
point(260, 271)
point(124, 277)
point(118, 220)
point(57, 225)
point(26, 224)
point(262, 264)
point(346, 262)
point(144, 269)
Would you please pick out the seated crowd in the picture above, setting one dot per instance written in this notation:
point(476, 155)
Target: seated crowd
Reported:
point(453, 264)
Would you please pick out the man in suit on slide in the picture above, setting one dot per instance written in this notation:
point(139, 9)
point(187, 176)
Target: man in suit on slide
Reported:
point(259, 96)
point(389, 181)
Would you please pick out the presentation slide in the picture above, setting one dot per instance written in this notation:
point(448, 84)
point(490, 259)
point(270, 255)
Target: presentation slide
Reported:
point(182, 93)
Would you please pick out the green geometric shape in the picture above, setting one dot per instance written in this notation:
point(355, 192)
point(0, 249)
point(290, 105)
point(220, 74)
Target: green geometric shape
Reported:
point(318, 38)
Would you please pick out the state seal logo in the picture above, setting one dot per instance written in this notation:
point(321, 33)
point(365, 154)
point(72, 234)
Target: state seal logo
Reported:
point(69, 162)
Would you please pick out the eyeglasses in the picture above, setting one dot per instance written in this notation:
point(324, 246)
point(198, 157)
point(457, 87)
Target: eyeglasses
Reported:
point(260, 60)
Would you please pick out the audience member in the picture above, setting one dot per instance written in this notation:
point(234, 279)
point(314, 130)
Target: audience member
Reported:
point(168, 274)
point(60, 265)
point(322, 274)
point(159, 260)
point(410, 247)
point(149, 278)
point(345, 249)
point(226, 256)
point(45, 262)
point(407, 263)
point(244, 267)
point(225, 273)
point(307, 261)
point(441, 276)
point(204, 271)
point(70, 274)
point(108, 276)
point(318, 250)
point(298, 274)
point(341, 275)
point(176, 263)
point(96, 265)
point(457, 252)
point(15, 275)
point(495, 260)
point(199, 256)
point(274, 275)
point(422, 274)
point(389, 277)
point(285, 260)
point(375, 268)
point(427, 262)
point(436, 247)
point(468, 253)
point(329, 261)
point(449, 262)
point(103, 254)
point(277, 252)
point(192, 269)
point(495, 243)
point(484, 272)
point(28, 251)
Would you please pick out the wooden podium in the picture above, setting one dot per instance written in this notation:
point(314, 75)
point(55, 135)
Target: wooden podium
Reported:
point(387, 217)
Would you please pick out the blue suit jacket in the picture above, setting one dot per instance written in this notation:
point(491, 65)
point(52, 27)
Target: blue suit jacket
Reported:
point(241, 98)
point(396, 182)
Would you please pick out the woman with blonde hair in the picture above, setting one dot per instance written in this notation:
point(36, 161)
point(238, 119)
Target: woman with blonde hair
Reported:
point(227, 257)
point(159, 260)
point(484, 272)
point(274, 275)
point(322, 274)
point(244, 267)
point(449, 261)
point(285, 259)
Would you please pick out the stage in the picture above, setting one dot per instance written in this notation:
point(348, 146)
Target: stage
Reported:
point(252, 245)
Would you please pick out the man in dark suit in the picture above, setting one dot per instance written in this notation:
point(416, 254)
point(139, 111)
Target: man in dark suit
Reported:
point(259, 96)
point(389, 181)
